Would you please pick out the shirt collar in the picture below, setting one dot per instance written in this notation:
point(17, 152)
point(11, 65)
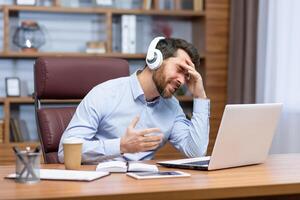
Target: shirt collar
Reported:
point(136, 87)
point(137, 90)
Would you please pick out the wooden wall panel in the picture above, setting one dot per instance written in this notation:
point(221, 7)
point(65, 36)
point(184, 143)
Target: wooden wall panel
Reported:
point(216, 61)
point(216, 93)
point(217, 9)
point(216, 77)
point(217, 37)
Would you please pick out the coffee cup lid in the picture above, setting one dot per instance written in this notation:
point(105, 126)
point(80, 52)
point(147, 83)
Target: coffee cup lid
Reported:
point(72, 141)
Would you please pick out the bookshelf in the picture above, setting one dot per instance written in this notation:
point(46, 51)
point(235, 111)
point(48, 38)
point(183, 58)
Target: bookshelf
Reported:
point(209, 34)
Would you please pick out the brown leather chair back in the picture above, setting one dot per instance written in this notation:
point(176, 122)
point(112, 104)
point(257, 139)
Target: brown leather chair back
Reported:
point(59, 78)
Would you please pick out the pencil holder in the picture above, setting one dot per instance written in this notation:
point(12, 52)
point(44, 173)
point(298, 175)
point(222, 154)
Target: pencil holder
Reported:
point(27, 166)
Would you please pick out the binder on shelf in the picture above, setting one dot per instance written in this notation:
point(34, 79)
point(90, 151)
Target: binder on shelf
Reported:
point(125, 33)
point(128, 33)
point(132, 34)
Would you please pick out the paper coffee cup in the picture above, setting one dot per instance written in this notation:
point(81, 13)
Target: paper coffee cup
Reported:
point(72, 153)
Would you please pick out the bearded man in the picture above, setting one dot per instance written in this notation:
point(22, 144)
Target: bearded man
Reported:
point(130, 118)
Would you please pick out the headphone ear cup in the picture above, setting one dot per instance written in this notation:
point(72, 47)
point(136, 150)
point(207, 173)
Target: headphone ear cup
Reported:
point(156, 61)
point(159, 58)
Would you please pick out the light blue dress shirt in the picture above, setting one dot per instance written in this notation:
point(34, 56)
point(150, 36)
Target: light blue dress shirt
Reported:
point(102, 117)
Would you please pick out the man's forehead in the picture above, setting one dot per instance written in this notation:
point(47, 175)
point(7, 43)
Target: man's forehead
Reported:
point(182, 55)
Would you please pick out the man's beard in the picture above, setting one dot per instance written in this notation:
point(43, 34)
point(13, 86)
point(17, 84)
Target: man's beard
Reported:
point(158, 78)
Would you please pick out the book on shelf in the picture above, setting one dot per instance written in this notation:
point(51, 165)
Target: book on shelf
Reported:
point(144, 32)
point(198, 5)
point(19, 130)
point(121, 166)
point(15, 130)
point(96, 47)
point(24, 130)
point(147, 4)
point(165, 4)
point(116, 34)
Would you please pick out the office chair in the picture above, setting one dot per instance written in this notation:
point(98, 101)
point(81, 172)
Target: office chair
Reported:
point(66, 79)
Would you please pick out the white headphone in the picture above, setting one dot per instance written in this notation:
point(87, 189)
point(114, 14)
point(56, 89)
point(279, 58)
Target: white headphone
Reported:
point(154, 56)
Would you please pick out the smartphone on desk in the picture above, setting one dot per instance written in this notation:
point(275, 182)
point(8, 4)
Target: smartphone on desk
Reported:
point(160, 174)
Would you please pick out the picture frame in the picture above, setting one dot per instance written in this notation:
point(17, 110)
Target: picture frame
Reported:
point(12, 86)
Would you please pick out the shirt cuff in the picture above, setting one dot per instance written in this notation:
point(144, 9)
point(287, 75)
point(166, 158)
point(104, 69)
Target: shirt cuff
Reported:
point(202, 106)
point(112, 147)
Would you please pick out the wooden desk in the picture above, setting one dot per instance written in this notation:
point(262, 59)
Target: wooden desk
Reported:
point(280, 175)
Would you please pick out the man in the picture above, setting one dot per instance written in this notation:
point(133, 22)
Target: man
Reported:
point(130, 118)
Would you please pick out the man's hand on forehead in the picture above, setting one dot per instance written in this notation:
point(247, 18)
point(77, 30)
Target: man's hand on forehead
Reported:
point(182, 62)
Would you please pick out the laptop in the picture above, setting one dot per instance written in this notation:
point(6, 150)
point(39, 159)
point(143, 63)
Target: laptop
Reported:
point(244, 138)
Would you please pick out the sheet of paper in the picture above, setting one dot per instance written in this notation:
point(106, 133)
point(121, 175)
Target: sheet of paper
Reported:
point(57, 174)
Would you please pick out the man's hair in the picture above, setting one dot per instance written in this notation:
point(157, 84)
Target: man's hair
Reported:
point(169, 46)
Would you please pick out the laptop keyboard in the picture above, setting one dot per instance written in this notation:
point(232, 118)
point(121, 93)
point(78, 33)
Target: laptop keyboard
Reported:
point(201, 162)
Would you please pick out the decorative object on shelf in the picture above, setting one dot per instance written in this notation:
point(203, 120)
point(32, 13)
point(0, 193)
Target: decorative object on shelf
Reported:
point(104, 3)
point(163, 28)
point(26, 2)
point(29, 36)
point(96, 47)
point(12, 86)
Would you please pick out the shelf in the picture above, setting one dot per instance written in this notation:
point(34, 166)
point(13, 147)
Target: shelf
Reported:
point(25, 100)
point(71, 54)
point(58, 9)
point(74, 54)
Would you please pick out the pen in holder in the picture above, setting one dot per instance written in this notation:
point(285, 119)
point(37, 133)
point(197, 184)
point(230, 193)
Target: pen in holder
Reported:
point(27, 165)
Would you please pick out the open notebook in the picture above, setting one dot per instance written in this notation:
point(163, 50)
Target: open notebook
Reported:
point(74, 175)
point(121, 166)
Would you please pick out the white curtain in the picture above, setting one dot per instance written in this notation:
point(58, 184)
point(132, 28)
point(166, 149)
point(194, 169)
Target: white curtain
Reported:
point(278, 68)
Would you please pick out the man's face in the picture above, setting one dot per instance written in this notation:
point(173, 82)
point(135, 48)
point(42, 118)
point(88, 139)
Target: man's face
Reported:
point(170, 76)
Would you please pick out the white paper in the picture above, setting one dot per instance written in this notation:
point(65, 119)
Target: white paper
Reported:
point(57, 174)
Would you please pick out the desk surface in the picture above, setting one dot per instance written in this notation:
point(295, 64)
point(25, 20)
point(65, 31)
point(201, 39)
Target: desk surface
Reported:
point(279, 175)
